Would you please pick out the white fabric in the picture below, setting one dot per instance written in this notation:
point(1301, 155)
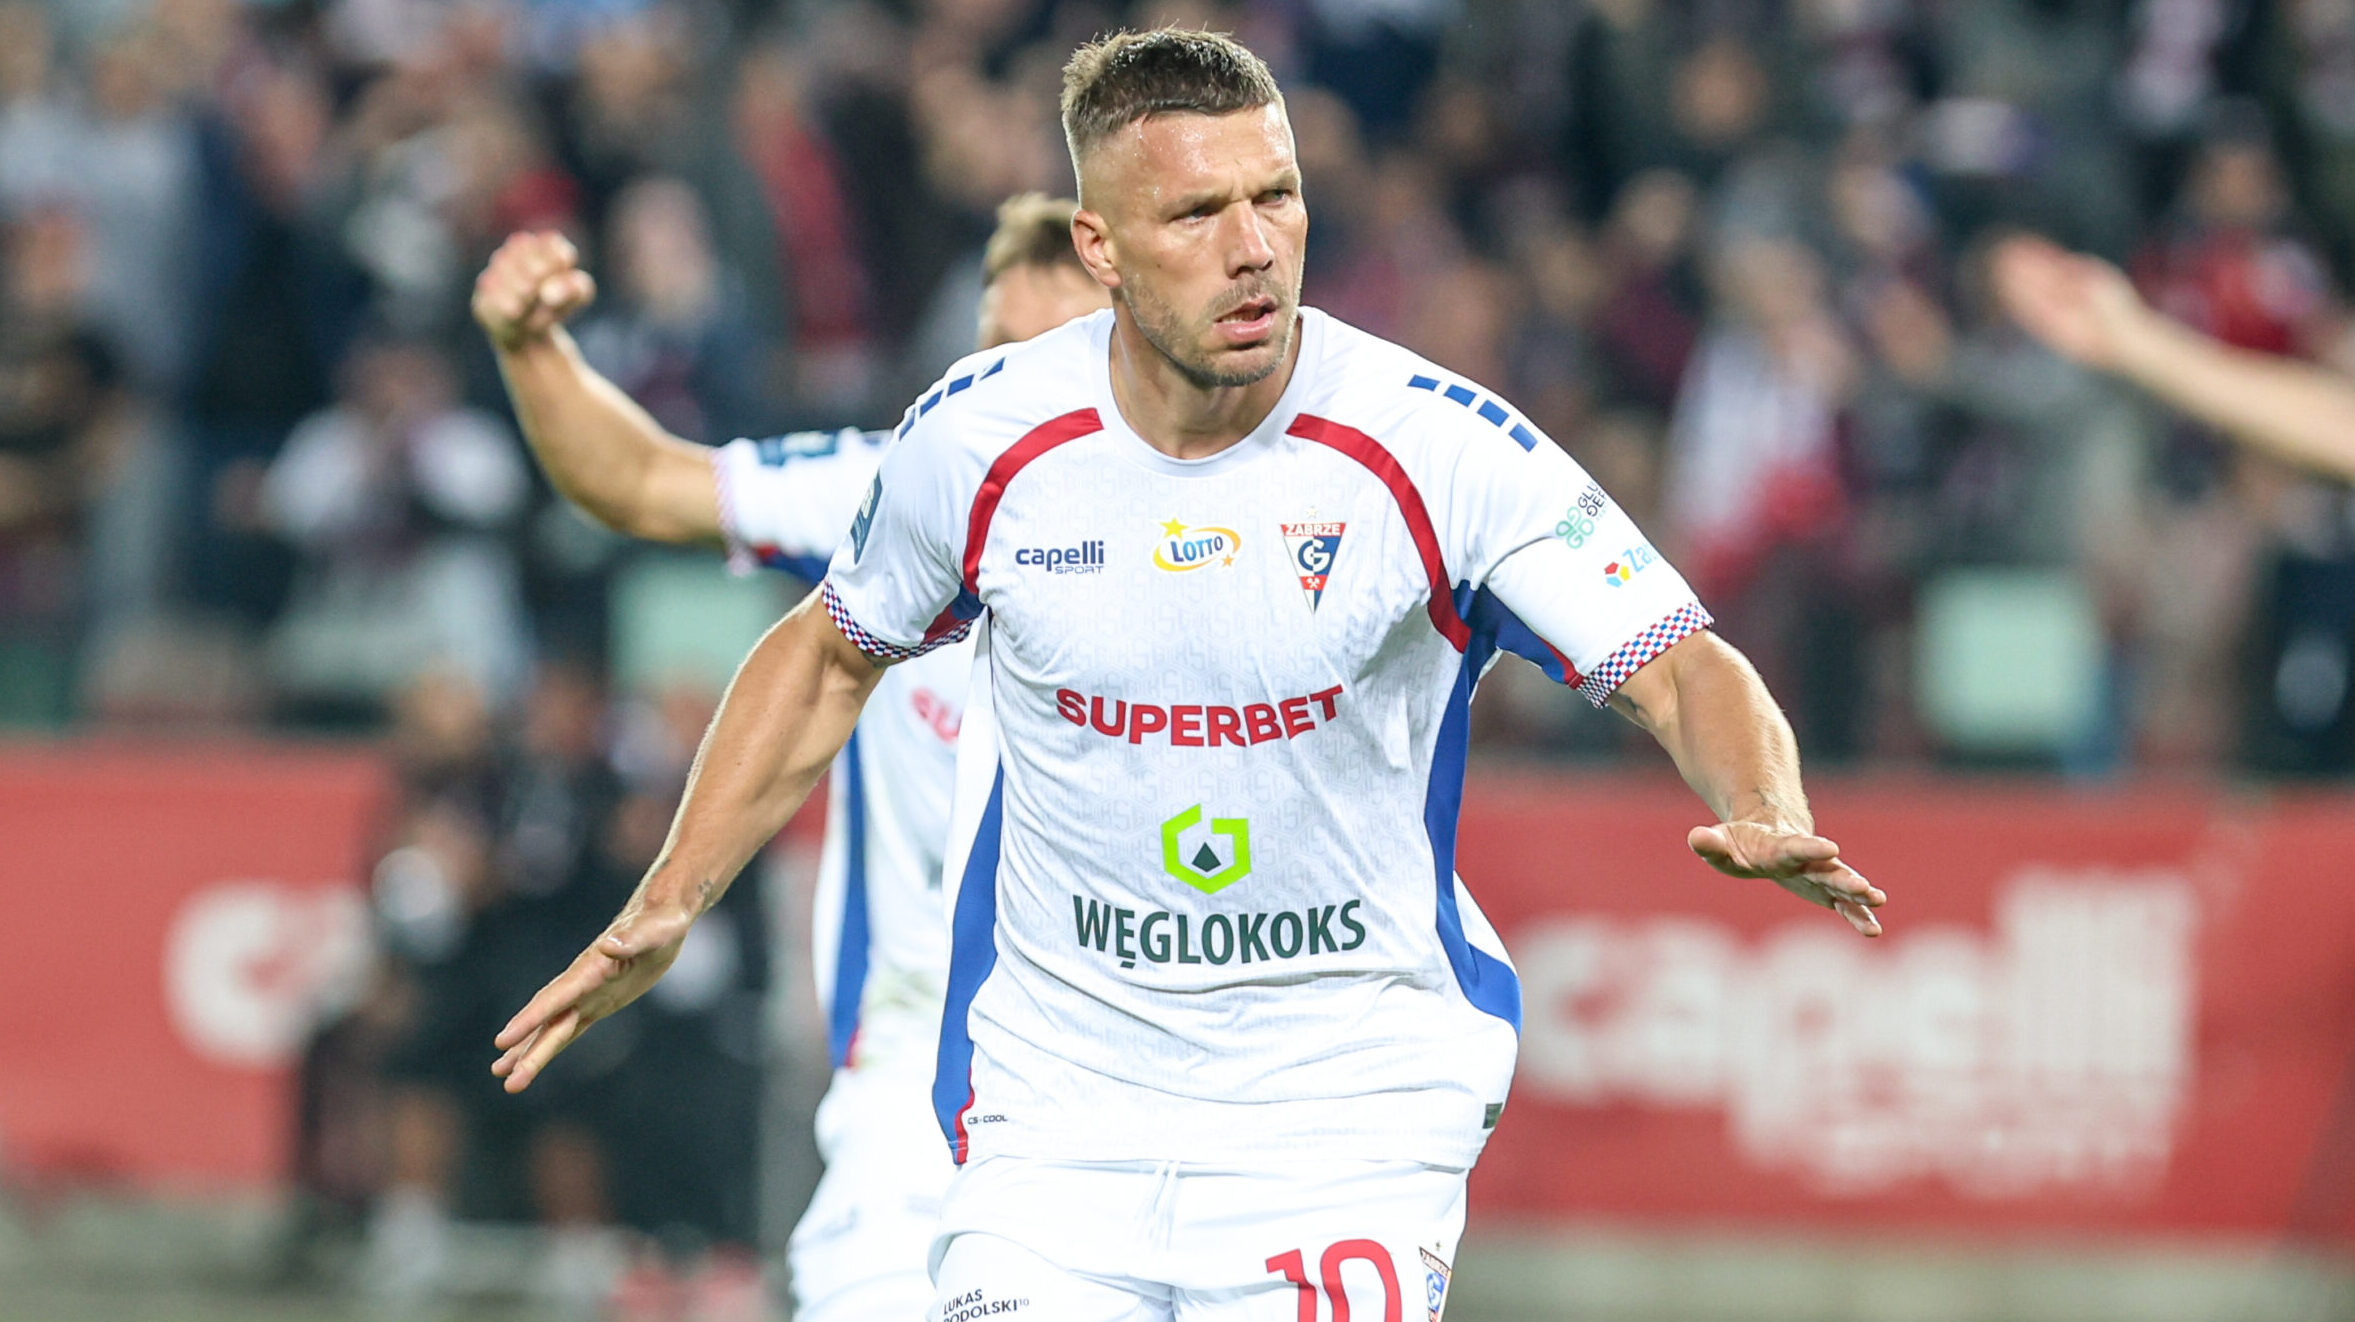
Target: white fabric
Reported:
point(1176, 1242)
point(1179, 662)
point(859, 1252)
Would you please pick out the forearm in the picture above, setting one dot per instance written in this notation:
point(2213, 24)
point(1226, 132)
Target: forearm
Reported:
point(786, 714)
point(604, 452)
point(2292, 410)
point(1707, 707)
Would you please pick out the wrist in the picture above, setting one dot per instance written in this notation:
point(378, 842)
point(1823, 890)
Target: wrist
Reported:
point(668, 891)
point(1772, 812)
point(2146, 346)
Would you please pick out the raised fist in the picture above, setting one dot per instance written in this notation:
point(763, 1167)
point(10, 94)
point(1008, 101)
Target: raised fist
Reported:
point(533, 283)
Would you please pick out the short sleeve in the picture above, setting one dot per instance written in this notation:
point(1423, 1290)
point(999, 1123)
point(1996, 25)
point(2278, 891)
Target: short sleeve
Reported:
point(1570, 581)
point(896, 584)
point(785, 501)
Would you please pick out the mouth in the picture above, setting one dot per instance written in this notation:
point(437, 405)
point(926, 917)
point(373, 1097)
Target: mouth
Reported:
point(1248, 322)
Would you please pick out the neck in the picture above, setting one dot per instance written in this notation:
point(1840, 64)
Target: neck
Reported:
point(1175, 415)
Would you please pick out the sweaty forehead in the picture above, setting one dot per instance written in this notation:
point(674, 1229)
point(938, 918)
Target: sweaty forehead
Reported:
point(1166, 156)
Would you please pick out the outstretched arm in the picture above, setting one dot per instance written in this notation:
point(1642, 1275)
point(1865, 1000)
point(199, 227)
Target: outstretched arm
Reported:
point(787, 713)
point(1708, 708)
point(2086, 310)
point(599, 448)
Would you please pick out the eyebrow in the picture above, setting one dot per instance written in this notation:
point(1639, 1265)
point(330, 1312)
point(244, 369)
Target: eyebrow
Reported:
point(1179, 206)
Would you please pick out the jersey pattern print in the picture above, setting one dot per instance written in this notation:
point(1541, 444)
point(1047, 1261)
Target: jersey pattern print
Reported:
point(1204, 840)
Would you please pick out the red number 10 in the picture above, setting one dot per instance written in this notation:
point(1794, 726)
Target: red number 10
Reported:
point(1294, 1268)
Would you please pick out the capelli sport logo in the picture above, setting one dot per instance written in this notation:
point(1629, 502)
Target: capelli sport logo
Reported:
point(1184, 548)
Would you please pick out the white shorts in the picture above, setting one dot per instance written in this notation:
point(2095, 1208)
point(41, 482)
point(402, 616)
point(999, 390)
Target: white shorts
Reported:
point(858, 1253)
point(1029, 1240)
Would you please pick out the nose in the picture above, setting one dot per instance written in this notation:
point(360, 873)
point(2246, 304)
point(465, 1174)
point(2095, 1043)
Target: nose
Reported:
point(1248, 247)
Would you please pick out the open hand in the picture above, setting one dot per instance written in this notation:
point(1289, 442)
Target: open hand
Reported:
point(2081, 307)
point(1807, 866)
point(532, 284)
point(615, 970)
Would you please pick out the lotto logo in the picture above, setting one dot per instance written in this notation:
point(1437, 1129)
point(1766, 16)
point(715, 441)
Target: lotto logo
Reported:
point(1183, 549)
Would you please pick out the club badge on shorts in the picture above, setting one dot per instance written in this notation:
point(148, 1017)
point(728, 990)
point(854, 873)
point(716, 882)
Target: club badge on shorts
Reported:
point(1435, 1278)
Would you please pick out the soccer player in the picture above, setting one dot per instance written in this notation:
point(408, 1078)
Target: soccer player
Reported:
point(1224, 1031)
point(2087, 311)
point(881, 937)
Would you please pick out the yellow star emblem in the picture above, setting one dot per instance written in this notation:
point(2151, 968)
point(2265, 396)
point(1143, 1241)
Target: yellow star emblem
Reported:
point(1173, 528)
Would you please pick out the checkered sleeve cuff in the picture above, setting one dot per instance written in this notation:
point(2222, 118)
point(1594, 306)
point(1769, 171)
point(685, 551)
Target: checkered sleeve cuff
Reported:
point(1606, 678)
point(876, 647)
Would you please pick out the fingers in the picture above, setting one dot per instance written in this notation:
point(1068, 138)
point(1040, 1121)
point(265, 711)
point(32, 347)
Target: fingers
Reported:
point(1808, 866)
point(1746, 849)
point(523, 1064)
point(1840, 881)
point(567, 291)
point(1802, 853)
point(1714, 845)
point(561, 994)
point(532, 283)
point(1859, 917)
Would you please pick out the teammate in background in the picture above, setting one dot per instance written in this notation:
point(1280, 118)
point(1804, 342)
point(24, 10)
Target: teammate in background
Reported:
point(1224, 1031)
point(2087, 311)
point(881, 941)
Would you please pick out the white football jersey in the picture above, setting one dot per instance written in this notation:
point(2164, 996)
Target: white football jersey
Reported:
point(879, 933)
point(1205, 904)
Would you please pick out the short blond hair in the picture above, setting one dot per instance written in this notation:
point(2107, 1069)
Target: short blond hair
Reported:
point(1033, 230)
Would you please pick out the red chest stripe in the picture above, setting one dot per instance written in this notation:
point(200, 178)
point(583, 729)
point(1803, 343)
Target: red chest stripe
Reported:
point(1384, 465)
point(1042, 438)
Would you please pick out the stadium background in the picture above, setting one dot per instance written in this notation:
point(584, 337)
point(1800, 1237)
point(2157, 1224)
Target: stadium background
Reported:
point(323, 712)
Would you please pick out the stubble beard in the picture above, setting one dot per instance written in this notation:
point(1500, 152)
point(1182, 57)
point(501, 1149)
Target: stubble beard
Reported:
point(1164, 329)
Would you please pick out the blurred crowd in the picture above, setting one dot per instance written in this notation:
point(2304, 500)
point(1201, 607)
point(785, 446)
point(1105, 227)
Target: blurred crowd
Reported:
point(509, 847)
point(257, 471)
point(255, 465)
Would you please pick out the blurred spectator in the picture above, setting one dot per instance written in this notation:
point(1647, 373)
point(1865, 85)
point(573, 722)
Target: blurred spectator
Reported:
point(276, 305)
point(493, 867)
point(123, 156)
point(65, 423)
point(671, 331)
point(1753, 497)
point(396, 499)
point(824, 291)
point(1649, 320)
